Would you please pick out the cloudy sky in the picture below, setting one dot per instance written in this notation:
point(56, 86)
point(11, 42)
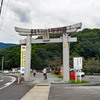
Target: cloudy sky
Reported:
point(45, 14)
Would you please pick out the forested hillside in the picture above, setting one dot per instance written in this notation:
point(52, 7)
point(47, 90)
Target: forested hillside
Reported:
point(50, 55)
point(5, 45)
point(88, 46)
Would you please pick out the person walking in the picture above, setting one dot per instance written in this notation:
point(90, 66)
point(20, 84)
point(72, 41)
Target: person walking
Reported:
point(44, 73)
point(34, 72)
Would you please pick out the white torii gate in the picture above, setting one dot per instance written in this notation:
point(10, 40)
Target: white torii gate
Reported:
point(45, 33)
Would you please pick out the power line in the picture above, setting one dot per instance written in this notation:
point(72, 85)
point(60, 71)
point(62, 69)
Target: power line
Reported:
point(1, 6)
point(4, 13)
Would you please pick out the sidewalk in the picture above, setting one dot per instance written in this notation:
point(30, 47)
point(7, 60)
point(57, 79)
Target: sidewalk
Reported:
point(39, 92)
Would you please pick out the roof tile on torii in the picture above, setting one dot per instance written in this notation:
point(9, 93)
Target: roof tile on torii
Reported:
point(66, 29)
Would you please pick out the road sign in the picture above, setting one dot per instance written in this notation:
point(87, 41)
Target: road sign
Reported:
point(77, 62)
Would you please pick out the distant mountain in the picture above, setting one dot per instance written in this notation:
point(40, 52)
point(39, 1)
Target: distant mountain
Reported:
point(5, 45)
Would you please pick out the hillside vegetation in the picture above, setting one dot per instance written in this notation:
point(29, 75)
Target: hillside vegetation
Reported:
point(5, 45)
point(50, 55)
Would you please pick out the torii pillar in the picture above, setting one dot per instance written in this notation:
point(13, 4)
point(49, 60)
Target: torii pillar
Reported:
point(28, 58)
point(65, 58)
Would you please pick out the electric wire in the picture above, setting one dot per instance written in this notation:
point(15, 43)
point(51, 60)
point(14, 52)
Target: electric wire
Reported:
point(1, 6)
point(4, 14)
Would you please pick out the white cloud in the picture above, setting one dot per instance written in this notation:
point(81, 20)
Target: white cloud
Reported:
point(48, 13)
point(21, 10)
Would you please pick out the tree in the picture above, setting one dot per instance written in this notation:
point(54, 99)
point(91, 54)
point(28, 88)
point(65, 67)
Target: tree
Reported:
point(92, 66)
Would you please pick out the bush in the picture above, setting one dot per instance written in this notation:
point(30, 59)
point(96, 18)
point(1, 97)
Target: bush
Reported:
point(56, 72)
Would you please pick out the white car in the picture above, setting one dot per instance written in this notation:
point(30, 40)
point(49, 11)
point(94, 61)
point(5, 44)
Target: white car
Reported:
point(78, 72)
point(5, 71)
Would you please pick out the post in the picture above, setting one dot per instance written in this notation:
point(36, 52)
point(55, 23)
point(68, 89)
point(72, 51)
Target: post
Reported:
point(2, 63)
point(75, 76)
point(65, 58)
point(28, 59)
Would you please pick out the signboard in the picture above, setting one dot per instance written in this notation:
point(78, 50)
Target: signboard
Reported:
point(77, 62)
point(23, 53)
point(45, 35)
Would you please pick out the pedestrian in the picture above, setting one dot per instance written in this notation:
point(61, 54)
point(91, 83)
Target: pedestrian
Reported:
point(50, 70)
point(34, 72)
point(44, 73)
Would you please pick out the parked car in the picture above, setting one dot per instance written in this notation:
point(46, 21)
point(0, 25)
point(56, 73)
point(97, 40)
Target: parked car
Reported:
point(5, 71)
point(78, 72)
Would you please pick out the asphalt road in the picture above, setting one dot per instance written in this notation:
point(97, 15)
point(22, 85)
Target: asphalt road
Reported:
point(6, 81)
point(12, 91)
point(15, 91)
point(76, 92)
point(92, 78)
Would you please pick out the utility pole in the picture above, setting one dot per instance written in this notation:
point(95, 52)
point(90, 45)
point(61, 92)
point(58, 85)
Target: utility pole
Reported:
point(2, 63)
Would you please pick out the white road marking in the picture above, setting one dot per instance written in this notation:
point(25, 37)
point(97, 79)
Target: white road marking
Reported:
point(9, 83)
point(1, 80)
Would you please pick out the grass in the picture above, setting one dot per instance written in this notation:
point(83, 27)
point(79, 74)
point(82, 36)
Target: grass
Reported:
point(78, 81)
point(71, 80)
point(59, 76)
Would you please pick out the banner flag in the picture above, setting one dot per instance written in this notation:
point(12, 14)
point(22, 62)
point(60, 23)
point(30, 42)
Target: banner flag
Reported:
point(23, 53)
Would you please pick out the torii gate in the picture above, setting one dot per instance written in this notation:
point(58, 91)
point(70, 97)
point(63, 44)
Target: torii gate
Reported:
point(45, 34)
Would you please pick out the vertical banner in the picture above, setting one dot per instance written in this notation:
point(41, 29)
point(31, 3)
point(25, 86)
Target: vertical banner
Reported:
point(23, 53)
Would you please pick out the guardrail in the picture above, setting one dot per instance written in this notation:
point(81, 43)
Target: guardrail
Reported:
point(17, 75)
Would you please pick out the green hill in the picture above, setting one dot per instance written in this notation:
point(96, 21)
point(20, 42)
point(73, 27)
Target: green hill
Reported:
point(88, 44)
point(5, 45)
